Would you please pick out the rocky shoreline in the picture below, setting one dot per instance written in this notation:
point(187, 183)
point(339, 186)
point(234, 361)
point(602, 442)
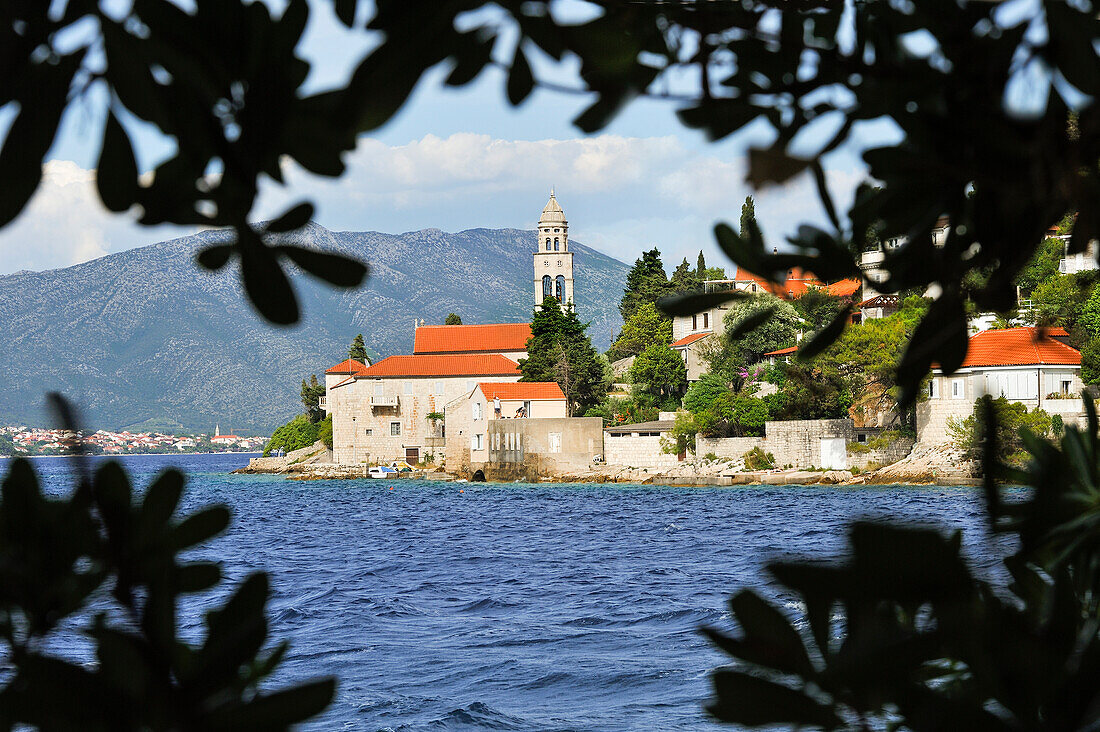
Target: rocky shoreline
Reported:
point(925, 465)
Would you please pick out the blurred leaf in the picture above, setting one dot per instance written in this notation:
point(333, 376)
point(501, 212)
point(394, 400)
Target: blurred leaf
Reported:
point(695, 302)
point(773, 166)
point(345, 11)
point(750, 323)
point(197, 576)
point(827, 336)
point(264, 280)
point(279, 709)
point(292, 220)
point(748, 700)
point(333, 268)
point(199, 527)
point(215, 257)
point(520, 81)
point(117, 173)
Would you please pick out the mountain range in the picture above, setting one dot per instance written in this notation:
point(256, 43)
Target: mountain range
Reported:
point(146, 339)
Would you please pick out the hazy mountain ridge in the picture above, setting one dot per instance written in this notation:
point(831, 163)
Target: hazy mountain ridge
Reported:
point(147, 337)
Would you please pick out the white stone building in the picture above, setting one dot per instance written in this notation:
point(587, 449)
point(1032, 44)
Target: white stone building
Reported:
point(1026, 365)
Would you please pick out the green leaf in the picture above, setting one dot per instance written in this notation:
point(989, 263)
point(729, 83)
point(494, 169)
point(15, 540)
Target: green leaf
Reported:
point(752, 701)
point(773, 166)
point(596, 116)
point(292, 220)
point(215, 257)
point(116, 174)
point(201, 526)
point(520, 81)
point(333, 268)
point(825, 337)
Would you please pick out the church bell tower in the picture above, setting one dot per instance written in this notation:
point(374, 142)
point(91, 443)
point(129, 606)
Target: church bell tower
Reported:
point(553, 260)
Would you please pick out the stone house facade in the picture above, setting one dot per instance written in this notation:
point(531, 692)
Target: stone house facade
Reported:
point(381, 415)
point(1027, 365)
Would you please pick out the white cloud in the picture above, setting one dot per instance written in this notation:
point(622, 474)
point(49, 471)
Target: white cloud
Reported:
point(65, 223)
point(621, 194)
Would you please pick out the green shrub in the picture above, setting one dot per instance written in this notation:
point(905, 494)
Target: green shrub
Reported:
point(324, 431)
point(1011, 418)
point(295, 434)
point(710, 456)
point(757, 459)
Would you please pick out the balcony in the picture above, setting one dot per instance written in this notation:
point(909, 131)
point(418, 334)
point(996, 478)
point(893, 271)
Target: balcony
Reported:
point(388, 400)
point(322, 402)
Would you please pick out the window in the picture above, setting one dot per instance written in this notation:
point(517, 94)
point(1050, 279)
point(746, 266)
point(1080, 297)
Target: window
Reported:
point(378, 388)
point(1065, 386)
point(547, 285)
point(557, 246)
point(933, 388)
point(694, 322)
point(470, 385)
point(438, 387)
point(548, 244)
point(957, 389)
point(408, 387)
point(754, 287)
point(478, 442)
point(561, 288)
point(477, 410)
point(395, 429)
point(369, 431)
point(527, 409)
point(706, 320)
point(556, 230)
point(545, 262)
point(861, 437)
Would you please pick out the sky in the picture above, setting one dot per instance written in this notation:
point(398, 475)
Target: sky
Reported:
point(461, 159)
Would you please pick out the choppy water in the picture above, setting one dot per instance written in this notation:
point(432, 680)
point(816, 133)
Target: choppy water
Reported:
point(515, 607)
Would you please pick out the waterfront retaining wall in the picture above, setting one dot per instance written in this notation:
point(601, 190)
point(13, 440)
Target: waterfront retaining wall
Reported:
point(637, 452)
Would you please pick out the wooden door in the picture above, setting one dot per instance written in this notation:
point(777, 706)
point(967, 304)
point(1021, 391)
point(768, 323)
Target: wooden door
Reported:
point(412, 455)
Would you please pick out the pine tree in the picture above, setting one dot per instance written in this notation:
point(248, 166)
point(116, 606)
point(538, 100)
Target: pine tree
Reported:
point(311, 392)
point(645, 282)
point(357, 351)
point(684, 279)
point(559, 350)
point(453, 319)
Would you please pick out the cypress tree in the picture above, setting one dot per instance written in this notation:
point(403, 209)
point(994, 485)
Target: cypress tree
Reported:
point(357, 351)
point(559, 350)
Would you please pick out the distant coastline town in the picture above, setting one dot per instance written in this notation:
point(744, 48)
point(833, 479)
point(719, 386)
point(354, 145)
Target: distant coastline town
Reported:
point(30, 441)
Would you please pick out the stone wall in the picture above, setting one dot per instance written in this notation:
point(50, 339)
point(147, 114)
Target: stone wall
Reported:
point(726, 447)
point(887, 455)
point(636, 452)
point(535, 448)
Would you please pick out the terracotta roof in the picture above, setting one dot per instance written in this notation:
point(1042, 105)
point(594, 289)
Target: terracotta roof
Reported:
point(350, 366)
point(688, 340)
point(798, 281)
point(491, 338)
point(463, 364)
point(782, 351)
point(533, 390)
point(1018, 347)
point(843, 288)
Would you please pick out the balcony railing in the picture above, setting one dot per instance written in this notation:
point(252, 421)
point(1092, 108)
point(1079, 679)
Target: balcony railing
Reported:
point(322, 402)
point(389, 400)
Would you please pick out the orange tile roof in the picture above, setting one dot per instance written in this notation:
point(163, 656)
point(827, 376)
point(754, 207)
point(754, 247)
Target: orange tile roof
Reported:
point(491, 338)
point(782, 351)
point(463, 364)
point(798, 281)
point(1018, 347)
point(688, 340)
point(533, 390)
point(843, 288)
point(349, 366)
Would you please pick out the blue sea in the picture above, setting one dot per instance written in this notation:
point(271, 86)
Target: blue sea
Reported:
point(516, 607)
